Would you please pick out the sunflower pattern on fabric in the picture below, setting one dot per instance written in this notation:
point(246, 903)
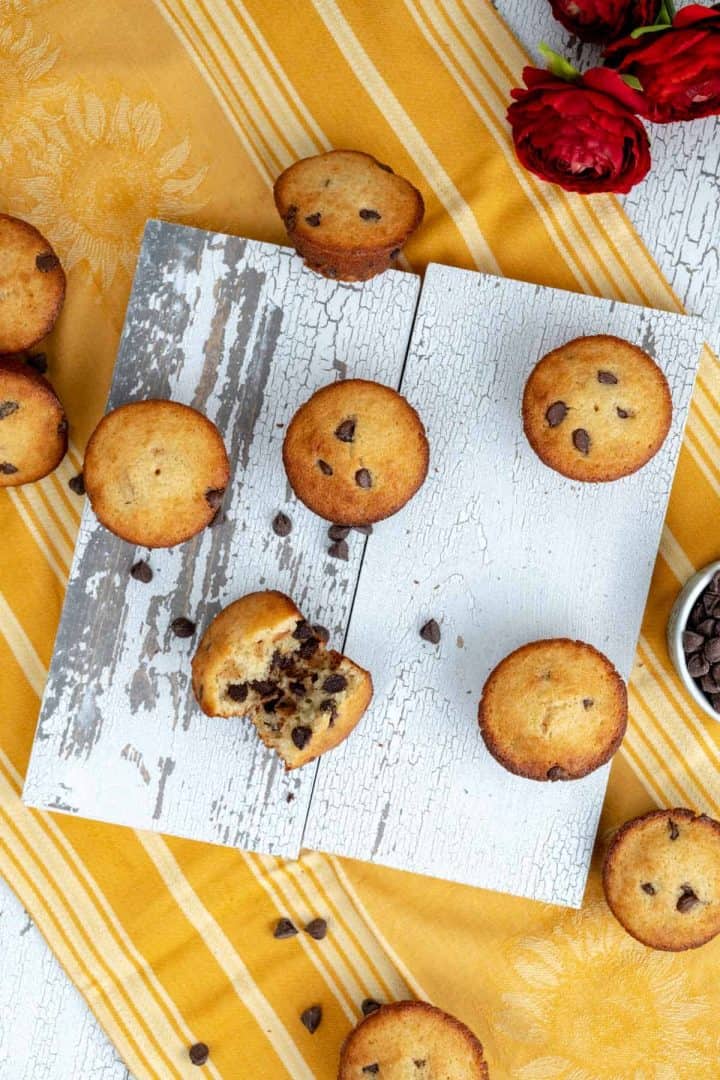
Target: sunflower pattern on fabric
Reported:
point(86, 168)
point(568, 1014)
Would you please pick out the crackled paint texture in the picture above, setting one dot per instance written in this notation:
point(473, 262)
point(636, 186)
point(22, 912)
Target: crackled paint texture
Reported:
point(500, 550)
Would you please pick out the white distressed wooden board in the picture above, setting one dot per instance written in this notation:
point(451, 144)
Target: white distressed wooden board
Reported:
point(241, 331)
point(500, 550)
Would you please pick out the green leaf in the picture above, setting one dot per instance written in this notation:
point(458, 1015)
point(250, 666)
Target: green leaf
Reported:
point(665, 16)
point(558, 64)
point(632, 81)
point(642, 30)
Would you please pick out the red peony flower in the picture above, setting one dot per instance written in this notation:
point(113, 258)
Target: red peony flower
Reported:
point(678, 68)
point(583, 134)
point(604, 20)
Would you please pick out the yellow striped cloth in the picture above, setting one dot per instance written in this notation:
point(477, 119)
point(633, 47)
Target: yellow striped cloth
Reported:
point(186, 109)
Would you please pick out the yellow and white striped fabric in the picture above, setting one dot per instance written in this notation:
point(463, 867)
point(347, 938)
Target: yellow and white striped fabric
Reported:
point(187, 109)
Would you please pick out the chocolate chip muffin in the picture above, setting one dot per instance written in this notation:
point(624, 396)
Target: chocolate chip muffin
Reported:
point(553, 710)
point(33, 426)
point(597, 408)
point(347, 214)
point(356, 452)
point(32, 285)
point(411, 1040)
point(260, 658)
point(155, 472)
point(662, 879)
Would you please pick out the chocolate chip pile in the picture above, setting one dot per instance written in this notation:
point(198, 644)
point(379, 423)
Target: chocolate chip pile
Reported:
point(701, 642)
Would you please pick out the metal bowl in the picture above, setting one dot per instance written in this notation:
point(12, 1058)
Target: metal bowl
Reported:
point(678, 622)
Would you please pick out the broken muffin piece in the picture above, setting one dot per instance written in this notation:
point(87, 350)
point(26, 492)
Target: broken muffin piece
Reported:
point(260, 658)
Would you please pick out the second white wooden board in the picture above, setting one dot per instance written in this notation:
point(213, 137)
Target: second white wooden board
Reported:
point(500, 550)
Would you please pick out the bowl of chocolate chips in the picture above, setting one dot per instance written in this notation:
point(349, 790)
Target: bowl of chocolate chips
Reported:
point(693, 638)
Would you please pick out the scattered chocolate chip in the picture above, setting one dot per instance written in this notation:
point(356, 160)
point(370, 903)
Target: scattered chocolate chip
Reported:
point(301, 736)
point(345, 432)
point(394, 253)
point(284, 928)
point(324, 468)
point(214, 497)
point(581, 440)
point(588, 703)
point(302, 631)
point(339, 550)
point(322, 633)
point(316, 928)
point(313, 219)
point(691, 642)
point(77, 484)
point(366, 530)
point(371, 1070)
point(237, 691)
point(430, 631)
point(370, 1005)
point(297, 687)
point(419, 1063)
point(387, 168)
point(199, 1053)
point(648, 888)
point(289, 797)
point(38, 362)
point(712, 650)
point(697, 665)
point(272, 704)
point(556, 413)
point(264, 687)
point(7, 408)
point(688, 900)
point(607, 377)
point(141, 572)
point(338, 532)
point(556, 772)
point(182, 627)
point(281, 524)
point(290, 217)
point(46, 262)
point(7, 469)
point(363, 478)
point(369, 215)
point(308, 648)
point(674, 831)
point(311, 1018)
point(623, 413)
point(334, 684)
